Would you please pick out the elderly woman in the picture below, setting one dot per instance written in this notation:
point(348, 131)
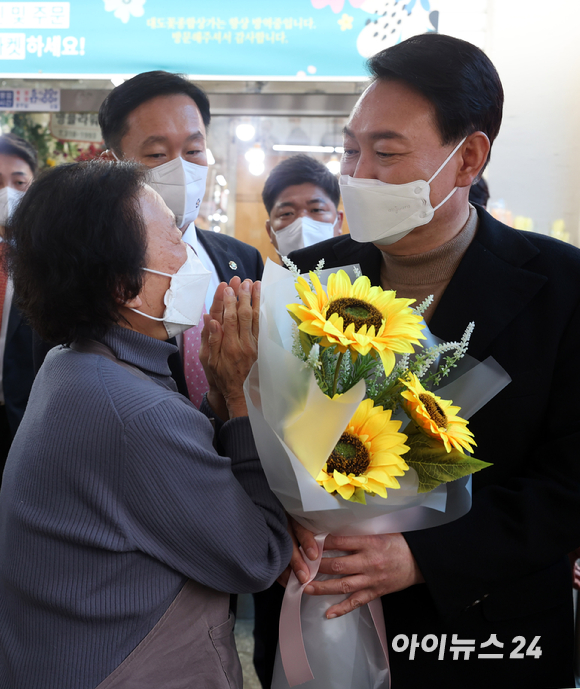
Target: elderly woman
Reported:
point(122, 530)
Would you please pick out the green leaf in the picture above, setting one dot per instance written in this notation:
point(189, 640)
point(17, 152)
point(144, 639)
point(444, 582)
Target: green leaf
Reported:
point(295, 318)
point(306, 342)
point(433, 464)
point(358, 496)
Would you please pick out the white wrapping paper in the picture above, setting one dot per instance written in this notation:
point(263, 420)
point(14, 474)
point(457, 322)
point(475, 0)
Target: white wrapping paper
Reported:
point(296, 427)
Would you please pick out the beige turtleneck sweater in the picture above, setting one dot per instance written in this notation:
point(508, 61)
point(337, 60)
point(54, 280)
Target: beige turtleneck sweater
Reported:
point(419, 275)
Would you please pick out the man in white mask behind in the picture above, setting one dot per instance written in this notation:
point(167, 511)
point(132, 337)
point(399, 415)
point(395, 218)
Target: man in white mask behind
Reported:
point(18, 164)
point(160, 119)
point(301, 197)
point(415, 142)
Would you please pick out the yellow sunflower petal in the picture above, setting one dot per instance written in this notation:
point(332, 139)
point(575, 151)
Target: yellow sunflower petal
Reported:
point(399, 331)
point(339, 285)
point(435, 416)
point(380, 490)
point(302, 287)
point(341, 479)
point(382, 459)
point(388, 359)
point(361, 288)
point(365, 409)
point(345, 491)
point(331, 485)
point(311, 301)
point(359, 459)
point(321, 297)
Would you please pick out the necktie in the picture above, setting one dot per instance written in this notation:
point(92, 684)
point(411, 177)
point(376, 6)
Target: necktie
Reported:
point(3, 280)
point(192, 368)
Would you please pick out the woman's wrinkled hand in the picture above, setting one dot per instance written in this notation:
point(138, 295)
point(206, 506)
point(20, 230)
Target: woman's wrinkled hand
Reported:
point(229, 344)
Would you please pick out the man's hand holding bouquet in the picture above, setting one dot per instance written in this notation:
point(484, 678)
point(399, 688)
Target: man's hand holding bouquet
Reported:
point(355, 441)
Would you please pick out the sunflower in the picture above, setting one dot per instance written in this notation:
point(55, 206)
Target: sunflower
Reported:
point(368, 454)
point(357, 317)
point(435, 416)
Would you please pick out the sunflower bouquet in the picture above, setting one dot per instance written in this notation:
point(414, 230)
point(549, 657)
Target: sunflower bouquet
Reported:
point(352, 331)
point(327, 398)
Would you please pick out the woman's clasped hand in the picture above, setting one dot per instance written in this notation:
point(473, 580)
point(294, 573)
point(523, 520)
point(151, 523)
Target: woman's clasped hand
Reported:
point(229, 344)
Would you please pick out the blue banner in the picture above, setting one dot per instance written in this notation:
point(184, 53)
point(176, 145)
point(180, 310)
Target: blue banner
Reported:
point(225, 38)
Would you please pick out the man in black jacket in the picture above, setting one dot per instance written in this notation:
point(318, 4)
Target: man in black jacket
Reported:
point(494, 587)
point(18, 165)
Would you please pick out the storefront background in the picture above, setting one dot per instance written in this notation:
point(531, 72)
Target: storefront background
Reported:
point(294, 70)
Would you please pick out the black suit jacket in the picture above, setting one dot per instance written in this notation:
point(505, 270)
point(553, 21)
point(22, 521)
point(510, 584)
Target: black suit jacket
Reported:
point(502, 568)
point(17, 368)
point(230, 257)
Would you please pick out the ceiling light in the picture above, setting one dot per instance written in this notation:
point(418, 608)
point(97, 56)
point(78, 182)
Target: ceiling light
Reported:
point(334, 166)
point(221, 180)
point(245, 131)
point(255, 154)
point(256, 168)
point(210, 158)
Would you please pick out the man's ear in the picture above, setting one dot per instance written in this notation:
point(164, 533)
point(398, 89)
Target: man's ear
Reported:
point(339, 221)
point(474, 153)
point(270, 231)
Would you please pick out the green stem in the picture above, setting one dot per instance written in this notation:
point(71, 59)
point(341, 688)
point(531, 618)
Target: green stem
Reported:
point(388, 394)
point(337, 371)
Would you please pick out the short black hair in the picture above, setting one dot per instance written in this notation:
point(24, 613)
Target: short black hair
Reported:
point(457, 78)
point(13, 145)
point(132, 93)
point(299, 169)
point(76, 244)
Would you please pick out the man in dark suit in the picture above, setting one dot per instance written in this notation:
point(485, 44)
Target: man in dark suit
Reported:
point(18, 164)
point(495, 585)
point(160, 120)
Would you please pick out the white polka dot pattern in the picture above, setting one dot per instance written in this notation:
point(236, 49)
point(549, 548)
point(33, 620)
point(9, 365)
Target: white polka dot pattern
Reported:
point(194, 374)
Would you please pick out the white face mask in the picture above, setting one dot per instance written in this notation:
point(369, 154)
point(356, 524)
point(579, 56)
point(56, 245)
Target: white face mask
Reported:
point(383, 213)
point(9, 199)
point(184, 300)
point(181, 185)
point(300, 233)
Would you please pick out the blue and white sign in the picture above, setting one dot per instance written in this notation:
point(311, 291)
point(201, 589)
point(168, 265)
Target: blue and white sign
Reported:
point(33, 100)
point(293, 39)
